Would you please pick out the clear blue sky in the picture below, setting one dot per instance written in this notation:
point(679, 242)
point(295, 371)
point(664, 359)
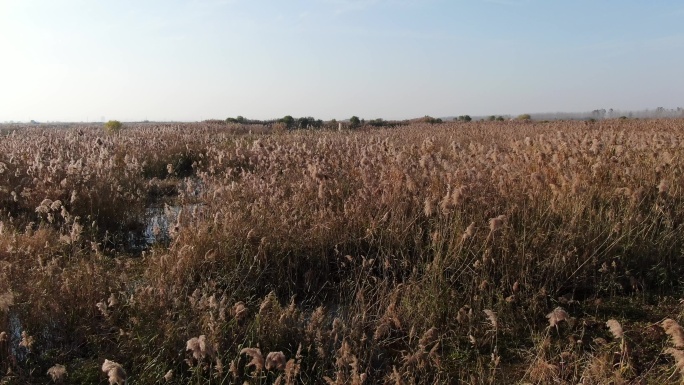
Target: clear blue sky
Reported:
point(73, 60)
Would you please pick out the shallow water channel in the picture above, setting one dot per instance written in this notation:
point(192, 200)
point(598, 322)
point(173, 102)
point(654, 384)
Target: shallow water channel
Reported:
point(159, 224)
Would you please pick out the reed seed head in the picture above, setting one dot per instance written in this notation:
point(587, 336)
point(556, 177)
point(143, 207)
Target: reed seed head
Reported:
point(497, 223)
point(492, 318)
point(6, 300)
point(57, 373)
point(675, 332)
point(275, 360)
point(557, 316)
point(257, 358)
point(615, 328)
point(115, 372)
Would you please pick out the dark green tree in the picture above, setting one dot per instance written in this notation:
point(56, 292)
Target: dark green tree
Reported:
point(354, 121)
point(377, 122)
point(288, 120)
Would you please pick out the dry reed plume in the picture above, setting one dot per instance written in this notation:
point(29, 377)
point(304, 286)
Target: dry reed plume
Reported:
point(115, 373)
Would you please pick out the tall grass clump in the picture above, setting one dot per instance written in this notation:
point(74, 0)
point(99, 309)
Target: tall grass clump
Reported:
point(481, 252)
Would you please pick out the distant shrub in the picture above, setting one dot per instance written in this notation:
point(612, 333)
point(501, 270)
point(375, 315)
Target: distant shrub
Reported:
point(431, 120)
point(525, 117)
point(377, 122)
point(289, 121)
point(113, 126)
point(309, 122)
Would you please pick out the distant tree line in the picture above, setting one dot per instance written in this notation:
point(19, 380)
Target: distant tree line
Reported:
point(289, 122)
point(308, 122)
point(494, 118)
point(292, 123)
point(602, 113)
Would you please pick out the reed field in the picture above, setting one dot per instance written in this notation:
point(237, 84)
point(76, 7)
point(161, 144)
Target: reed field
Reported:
point(456, 253)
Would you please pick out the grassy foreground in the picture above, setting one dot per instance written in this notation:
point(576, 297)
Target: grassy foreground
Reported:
point(477, 253)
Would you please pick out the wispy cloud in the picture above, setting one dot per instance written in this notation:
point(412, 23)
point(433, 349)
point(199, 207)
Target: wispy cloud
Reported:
point(659, 43)
point(621, 48)
point(510, 3)
point(213, 3)
point(346, 6)
point(665, 42)
point(673, 13)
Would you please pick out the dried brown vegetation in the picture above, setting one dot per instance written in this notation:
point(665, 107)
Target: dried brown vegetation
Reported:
point(462, 252)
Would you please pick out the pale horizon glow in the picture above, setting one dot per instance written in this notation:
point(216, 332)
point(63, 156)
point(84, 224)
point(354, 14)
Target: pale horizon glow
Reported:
point(174, 60)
